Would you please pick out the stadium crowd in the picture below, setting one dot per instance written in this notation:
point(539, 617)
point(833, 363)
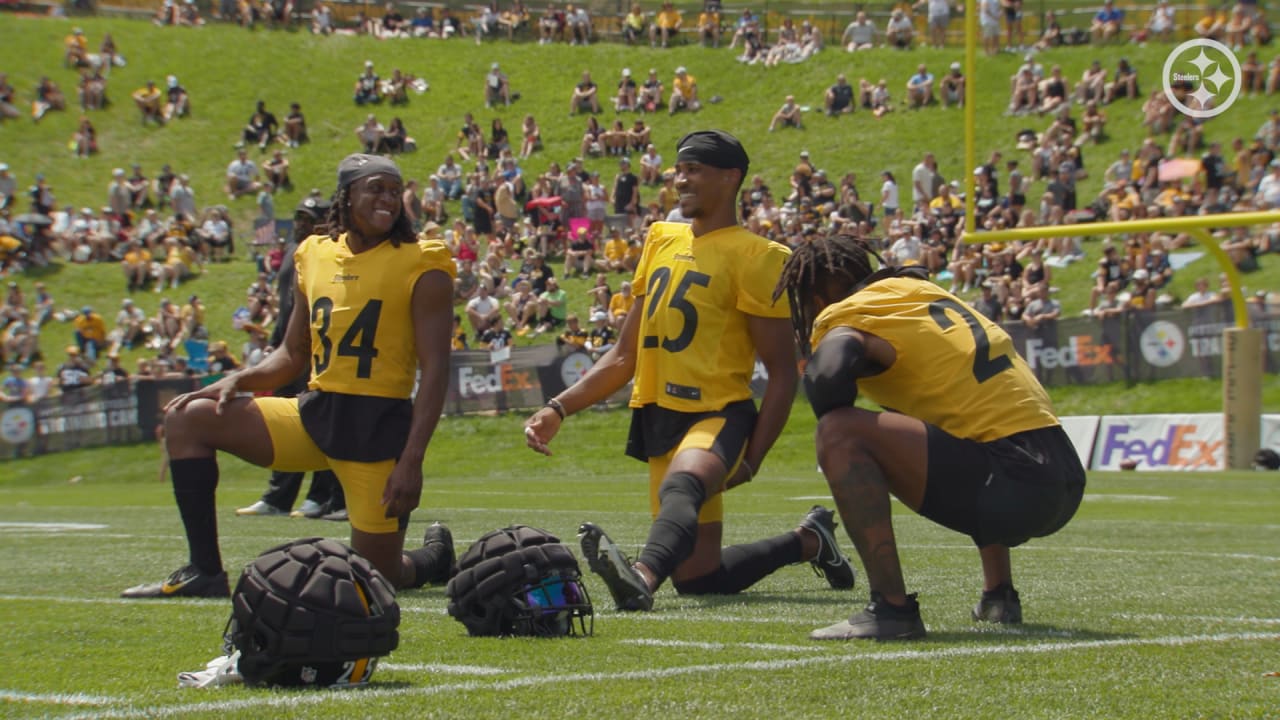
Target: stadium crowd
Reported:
point(512, 234)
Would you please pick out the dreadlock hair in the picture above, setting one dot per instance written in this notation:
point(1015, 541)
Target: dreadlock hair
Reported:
point(842, 258)
point(339, 220)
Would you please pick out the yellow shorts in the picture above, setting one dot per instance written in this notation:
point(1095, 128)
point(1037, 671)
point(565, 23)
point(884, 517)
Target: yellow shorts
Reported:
point(362, 482)
point(714, 434)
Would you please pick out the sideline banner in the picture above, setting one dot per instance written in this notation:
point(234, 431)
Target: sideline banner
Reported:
point(1082, 429)
point(93, 416)
point(1160, 442)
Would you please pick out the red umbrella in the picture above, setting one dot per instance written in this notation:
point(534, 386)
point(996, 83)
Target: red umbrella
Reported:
point(543, 202)
point(1177, 169)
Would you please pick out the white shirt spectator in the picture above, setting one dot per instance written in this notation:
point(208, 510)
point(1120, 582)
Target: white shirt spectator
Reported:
point(243, 170)
point(939, 9)
point(905, 250)
point(482, 305)
point(921, 179)
point(1269, 191)
point(901, 23)
point(889, 194)
point(183, 199)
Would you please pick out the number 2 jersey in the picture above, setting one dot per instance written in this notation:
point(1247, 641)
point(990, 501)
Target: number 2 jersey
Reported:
point(695, 352)
point(360, 305)
point(954, 368)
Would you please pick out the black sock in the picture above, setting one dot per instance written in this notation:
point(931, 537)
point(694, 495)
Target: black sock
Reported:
point(194, 483)
point(675, 530)
point(742, 566)
point(430, 565)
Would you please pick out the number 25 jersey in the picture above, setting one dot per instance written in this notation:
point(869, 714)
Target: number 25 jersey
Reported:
point(954, 368)
point(695, 352)
point(360, 306)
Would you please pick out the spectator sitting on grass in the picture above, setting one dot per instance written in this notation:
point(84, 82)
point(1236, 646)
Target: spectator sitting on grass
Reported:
point(483, 309)
point(48, 97)
point(881, 102)
point(666, 25)
point(552, 307)
point(650, 98)
point(574, 337)
point(953, 87)
point(684, 92)
point(859, 34)
point(578, 21)
point(584, 96)
point(838, 98)
point(900, 31)
point(1107, 23)
point(787, 116)
point(920, 88)
point(396, 138)
point(149, 100)
point(366, 86)
point(627, 96)
point(370, 133)
point(497, 89)
point(242, 176)
point(277, 170)
point(295, 127)
point(1053, 91)
point(633, 24)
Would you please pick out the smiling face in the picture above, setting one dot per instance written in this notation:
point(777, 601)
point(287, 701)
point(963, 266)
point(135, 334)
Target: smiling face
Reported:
point(704, 189)
point(375, 205)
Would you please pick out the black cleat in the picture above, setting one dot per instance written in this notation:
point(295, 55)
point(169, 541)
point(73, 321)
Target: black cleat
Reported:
point(629, 590)
point(1001, 606)
point(184, 582)
point(877, 621)
point(438, 535)
point(829, 562)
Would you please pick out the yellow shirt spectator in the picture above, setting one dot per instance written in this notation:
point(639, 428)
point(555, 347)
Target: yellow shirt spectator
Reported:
point(668, 18)
point(91, 326)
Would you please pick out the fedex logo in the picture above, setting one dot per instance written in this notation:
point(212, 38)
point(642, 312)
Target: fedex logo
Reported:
point(1178, 448)
point(474, 381)
point(1080, 351)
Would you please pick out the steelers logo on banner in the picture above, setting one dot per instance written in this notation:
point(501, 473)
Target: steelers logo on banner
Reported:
point(573, 367)
point(1162, 344)
point(17, 425)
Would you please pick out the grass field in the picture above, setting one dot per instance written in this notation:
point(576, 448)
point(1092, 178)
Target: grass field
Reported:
point(1158, 600)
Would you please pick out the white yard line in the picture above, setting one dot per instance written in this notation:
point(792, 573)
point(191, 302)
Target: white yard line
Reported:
point(445, 669)
point(73, 699)
point(773, 647)
point(293, 700)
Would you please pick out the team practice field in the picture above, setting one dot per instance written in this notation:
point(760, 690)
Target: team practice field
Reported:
point(1161, 599)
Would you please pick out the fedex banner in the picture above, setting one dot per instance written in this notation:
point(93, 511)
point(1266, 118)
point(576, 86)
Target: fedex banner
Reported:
point(1160, 442)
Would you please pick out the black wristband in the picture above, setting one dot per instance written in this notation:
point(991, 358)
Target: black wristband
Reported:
point(554, 404)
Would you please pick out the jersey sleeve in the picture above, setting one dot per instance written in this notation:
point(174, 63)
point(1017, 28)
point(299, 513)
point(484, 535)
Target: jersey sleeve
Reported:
point(640, 282)
point(432, 255)
point(757, 281)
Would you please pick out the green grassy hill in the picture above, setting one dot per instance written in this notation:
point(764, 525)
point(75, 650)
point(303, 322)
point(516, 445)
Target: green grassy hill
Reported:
point(226, 69)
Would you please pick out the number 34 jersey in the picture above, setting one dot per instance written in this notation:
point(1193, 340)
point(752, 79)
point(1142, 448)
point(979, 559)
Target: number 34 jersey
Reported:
point(695, 352)
point(954, 368)
point(362, 339)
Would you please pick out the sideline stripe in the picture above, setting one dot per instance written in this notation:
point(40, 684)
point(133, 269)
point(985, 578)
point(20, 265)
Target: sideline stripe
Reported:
point(14, 696)
point(446, 669)
point(296, 701)
point(50, 526)
point(653, 642)
point(185, 602)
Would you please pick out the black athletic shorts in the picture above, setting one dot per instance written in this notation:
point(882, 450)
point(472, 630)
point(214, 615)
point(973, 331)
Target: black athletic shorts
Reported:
point(1003, 492)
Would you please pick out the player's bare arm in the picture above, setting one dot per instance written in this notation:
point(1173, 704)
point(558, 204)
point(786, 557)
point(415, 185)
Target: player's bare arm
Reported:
point(432, 331)
point(614, 369)
point(775, 344)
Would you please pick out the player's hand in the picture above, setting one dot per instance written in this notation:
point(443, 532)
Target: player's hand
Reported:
point(403, 490)
point(540, 429)
point(220, 391)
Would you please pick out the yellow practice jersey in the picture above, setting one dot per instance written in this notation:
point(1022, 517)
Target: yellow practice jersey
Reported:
point(954, 368)
point(362, 338)
point(695, 353)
